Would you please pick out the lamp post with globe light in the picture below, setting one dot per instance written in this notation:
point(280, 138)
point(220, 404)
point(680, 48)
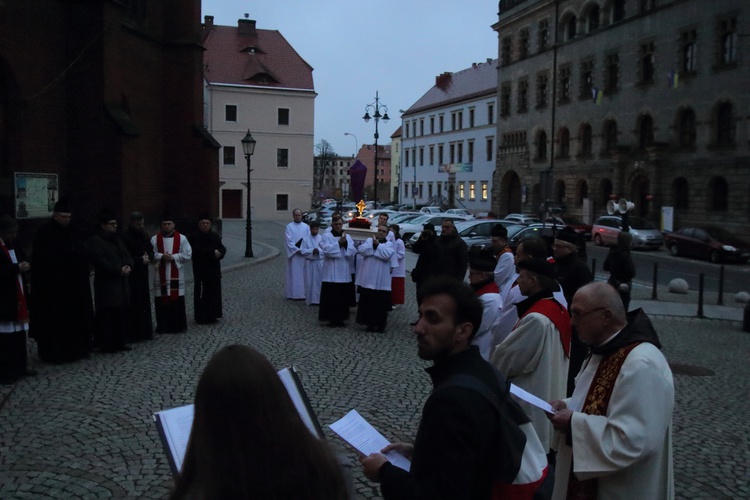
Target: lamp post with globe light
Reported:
point(376, 107)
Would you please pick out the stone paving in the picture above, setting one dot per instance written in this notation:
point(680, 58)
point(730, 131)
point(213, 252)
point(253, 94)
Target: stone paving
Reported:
point(84, 430)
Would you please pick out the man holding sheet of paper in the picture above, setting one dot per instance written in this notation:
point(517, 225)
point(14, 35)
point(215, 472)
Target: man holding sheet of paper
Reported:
point(472, 437)
point(535, 355)
point(617, 425)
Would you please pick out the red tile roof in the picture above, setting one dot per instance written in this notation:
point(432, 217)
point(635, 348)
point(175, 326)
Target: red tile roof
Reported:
point(264, 59)
point(478, 80)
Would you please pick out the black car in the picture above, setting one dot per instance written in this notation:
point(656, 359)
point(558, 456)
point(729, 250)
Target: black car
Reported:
point(713, 243)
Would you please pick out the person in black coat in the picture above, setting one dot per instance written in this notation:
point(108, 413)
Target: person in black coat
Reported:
point(112, 268)
point(208, 251)
point(621, 268)
point(138, 243)
point(61, 319)
point(425, 248)
point(14, 313)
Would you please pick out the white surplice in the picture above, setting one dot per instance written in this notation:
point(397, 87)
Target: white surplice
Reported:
point(336, 258)
point(532, 357)
point(294, 283)
point(313, 268)
point(630, 448)
point(374, 272)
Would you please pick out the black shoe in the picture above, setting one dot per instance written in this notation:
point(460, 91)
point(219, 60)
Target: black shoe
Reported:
point(337, 324)
point(31, 373)
point(125, 348)
point(370, 329)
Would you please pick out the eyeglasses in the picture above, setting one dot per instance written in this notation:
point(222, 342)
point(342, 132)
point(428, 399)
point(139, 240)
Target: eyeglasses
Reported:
point(578, 314)
point(112, 223)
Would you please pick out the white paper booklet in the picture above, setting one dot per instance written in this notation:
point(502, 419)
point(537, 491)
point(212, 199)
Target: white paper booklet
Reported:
point(530, 398)
point(363, 437)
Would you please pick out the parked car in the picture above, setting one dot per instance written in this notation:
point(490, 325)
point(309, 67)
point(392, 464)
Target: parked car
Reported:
point(431, 210)
point(460, 211)
point(544, 231)
point(415, 225)
point(713, 243)
point(645, 235)
point(404, 217)
point(476, 233)
point(580, 227)
point(523, 219)
point(483, 215)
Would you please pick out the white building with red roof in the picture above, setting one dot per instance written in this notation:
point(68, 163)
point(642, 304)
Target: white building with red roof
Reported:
point(256, 81)
point(448, 141)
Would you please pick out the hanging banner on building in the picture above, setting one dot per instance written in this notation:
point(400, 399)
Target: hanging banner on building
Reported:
point(456, 167)
point(35, 195)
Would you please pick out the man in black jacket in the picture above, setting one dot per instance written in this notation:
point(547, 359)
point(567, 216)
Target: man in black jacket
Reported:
point(463, 441)
point(451, 254)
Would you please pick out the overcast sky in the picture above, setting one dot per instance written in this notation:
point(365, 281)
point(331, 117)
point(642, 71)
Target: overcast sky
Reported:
point(357, 47)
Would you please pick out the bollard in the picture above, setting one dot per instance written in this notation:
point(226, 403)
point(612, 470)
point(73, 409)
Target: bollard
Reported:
point(593, 266)
point(700, 296)
point(656, 274)
point(746, 319)
point(721, 286)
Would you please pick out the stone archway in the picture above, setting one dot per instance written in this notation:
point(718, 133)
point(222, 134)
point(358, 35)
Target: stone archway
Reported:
point(510, 193)
point(640, 189)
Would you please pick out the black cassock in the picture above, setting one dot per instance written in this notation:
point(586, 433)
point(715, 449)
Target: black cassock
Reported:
point(140, 324)
point(207, 275)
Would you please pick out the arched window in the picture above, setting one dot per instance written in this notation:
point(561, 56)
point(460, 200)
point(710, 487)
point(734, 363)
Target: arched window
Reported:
point(582, 191)
point(586, 140)
point(559, 192)
point(718, 193)
point(724, 126)
point(541, 145)
point(686, 128)
point(564, 143)
point(571, 27)
point(592, 19)
point(605, 191)
point(618, 10)
point(645, 132)
point(610, 135)
point(680, 193)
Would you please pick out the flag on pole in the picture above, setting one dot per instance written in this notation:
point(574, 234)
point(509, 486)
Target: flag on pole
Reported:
point(597, 95)
point(673, 79)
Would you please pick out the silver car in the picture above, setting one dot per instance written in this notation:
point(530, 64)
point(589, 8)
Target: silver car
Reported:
point(645, 235)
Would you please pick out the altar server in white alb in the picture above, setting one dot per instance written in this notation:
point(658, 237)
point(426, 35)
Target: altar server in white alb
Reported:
point(335, 292)
point(171, 252)
point(617, 425)
point(296, 231)
point(313, 264)
point(374, 280)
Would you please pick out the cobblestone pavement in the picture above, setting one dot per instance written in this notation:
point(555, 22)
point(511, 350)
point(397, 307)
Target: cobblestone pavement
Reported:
point(84, 430)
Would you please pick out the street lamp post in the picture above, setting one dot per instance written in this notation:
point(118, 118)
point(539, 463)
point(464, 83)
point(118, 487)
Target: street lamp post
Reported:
point(376, 107)
point(356, 142)
point(248, 147)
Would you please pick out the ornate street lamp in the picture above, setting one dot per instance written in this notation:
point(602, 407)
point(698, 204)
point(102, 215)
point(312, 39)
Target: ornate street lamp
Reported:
point(248, 147)
point(376, 107)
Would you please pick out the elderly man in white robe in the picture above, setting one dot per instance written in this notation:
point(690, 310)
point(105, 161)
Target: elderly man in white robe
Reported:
point(617, 425)
point(336, 247)
point(296, 231)
point(313, 264)
point(374, 280)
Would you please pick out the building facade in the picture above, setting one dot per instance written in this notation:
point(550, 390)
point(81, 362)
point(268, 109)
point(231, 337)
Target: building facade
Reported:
point(256, 81)
point(332, 174)
point(606, 99)
point(367, 155)
point(448, 141)
point(101, 102)
point(396, 166)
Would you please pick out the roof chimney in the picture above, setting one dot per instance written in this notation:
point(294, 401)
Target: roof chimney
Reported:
point(246, 26)
point(208, 22)
point(444, 81)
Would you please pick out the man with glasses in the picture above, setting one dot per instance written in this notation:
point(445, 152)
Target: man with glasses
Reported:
point(617, 426)
point(535, 354)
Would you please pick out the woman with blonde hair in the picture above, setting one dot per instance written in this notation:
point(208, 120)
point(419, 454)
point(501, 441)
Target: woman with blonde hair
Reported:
point(249, 441)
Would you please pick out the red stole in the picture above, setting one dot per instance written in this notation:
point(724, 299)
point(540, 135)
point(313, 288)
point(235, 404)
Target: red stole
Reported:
point(488, 288)
point(596, 403)
point(22, 316)
point(174, 274)
point(558, 315)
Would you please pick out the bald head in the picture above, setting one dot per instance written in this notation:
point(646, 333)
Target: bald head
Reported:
point(597, 312)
